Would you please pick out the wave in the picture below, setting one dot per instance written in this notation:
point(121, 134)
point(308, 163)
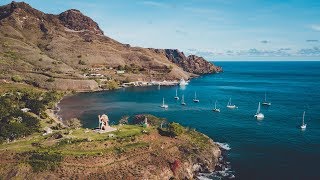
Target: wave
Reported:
point(224, 146)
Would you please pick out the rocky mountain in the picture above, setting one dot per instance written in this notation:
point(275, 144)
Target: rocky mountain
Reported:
point(70, 51)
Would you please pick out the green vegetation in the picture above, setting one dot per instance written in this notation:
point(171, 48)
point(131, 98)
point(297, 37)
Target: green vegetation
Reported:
point(172, 130)
point(42, 161)
point(73, 123)
point(175, 129)
point(14, 123)
point(110, 85)
point(82, 62)
point(16, 78)
point(11, 54)
point(199, 139)
point(51, 79)
point(152, 120)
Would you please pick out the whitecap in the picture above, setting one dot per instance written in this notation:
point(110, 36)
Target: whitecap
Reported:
point(224, 146)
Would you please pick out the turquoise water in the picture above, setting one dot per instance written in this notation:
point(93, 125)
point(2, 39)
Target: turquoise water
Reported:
point(274, 148)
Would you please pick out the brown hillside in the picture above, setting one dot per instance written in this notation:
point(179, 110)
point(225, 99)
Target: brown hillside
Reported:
point(55, 51)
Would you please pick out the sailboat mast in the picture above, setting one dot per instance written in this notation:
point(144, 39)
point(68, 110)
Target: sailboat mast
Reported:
point(195, 95)
point(258, 111)
point(265, 97)
point(162, 101)
point(182, 99)
point(215, 105)
point(303, 117)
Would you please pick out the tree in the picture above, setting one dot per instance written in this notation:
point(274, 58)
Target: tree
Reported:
point(73, 123)
point(175, 129)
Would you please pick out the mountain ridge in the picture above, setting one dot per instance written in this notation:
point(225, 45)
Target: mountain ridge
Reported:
point(56, 51)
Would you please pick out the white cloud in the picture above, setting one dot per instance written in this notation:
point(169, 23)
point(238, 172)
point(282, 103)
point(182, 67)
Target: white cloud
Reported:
point(155, 4)
point(315, 27)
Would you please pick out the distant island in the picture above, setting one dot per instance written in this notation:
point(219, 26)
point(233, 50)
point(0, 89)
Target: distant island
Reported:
point(43, 57)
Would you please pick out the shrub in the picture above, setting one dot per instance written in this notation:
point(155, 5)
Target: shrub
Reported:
point(73, 123)
point(16, 78)
point(57, 127)
point(124, 120)
point(82, 62)
point(51, 79)
point(43, 115)
point(111, 85)
point(175, 128)
point(42, 161)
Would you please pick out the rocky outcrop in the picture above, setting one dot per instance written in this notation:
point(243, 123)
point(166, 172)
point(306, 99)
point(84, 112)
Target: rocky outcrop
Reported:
point(75, 20)
point(192, 63)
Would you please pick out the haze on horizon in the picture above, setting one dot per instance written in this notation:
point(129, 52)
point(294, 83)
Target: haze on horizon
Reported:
point(214, 29)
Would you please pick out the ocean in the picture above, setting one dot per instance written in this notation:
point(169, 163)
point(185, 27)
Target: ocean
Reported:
point(272, 148)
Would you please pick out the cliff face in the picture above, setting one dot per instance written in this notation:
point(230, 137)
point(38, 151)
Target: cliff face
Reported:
point(191, 63)
point(147, 156)
point(41, 46)
point(75, 20)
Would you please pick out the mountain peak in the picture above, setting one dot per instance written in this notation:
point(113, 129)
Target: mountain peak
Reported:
point(75, 20)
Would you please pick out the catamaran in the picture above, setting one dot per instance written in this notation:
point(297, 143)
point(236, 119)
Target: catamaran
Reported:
point(215, 107)
point(165, 106)
point(182, 101)
point(259, 115)
point(195, 98)
point(230, 105)
point(265, 102)
point(176, 97)
point(303, 125)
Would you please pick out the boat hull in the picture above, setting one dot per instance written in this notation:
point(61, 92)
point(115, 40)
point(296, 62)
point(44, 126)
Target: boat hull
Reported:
point(266, 103)
point(259, 116)
point(232, 107)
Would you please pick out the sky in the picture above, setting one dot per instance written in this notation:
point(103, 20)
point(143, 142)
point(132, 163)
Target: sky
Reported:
point(214, 29)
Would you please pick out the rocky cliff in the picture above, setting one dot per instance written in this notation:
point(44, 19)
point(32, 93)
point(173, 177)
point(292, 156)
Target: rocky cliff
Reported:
point(46, 50)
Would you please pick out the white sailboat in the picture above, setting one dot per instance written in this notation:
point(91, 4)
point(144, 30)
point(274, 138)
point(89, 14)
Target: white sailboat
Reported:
point(165, 106)
point(230, 105)
point(195, 98)
point(182, 101)
point(176, 97)
point(265, 102)
point(259, 115)
point(303, 125)
point(215, 107)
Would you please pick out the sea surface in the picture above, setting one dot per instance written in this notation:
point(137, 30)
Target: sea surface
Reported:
point(272, 148)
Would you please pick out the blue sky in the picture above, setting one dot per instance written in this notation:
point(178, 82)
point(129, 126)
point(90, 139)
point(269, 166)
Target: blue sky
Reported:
point(215, 29)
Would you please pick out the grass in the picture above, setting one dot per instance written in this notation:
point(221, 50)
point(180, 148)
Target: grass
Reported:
point(78, 142)
point(198, 139)
point(7, 87)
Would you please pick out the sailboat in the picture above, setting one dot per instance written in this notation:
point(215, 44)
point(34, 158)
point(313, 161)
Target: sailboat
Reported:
point(265, 102)
point(176, 97)
point(215, 107)
point(259, 115)
point(165, 106)
point(303, 125)
point(182, 101)
point(230, 105)
point(195, 98)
